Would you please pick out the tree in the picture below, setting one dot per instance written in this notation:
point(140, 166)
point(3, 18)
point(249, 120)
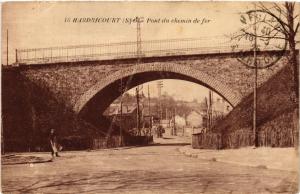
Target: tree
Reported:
point(273, 22)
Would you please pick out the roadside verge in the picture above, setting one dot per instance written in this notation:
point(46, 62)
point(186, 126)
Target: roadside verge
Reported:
point(264, 157)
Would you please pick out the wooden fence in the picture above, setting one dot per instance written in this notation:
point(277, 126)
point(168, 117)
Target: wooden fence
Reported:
point(104, 142)
point(206, 141)
point(77, 143)
point(243, 138)
point(115, 141)
point(283, 131)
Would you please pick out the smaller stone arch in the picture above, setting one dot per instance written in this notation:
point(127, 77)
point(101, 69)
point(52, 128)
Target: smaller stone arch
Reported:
point(233, 97)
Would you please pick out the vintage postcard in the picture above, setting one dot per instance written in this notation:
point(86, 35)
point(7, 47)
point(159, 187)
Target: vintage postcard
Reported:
point(150, 97)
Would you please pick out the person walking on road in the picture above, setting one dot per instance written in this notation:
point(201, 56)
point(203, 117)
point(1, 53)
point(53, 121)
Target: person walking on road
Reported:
point(53, 144)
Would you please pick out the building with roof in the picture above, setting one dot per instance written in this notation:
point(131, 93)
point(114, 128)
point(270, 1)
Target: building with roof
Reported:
point(127, 120)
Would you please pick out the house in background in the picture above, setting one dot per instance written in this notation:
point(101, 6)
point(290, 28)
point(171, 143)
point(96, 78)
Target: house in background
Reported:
point(128, 116)
point(195, 119)
point(195, 123)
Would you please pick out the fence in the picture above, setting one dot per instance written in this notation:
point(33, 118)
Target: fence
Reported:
point(42, 144)
point(76, 143)
point(115, 141)
point(104, 142)
point(283, 131)
point(206, 141)
point(243, 138)
point(150, 48)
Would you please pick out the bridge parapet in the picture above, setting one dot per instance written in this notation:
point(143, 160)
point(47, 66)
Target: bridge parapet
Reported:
point(124, 50)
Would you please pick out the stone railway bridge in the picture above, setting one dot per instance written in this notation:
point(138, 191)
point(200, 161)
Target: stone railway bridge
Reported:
point(85, 89)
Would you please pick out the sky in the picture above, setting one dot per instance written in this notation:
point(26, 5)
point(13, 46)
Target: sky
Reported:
point(176, 88)
point(42, 24)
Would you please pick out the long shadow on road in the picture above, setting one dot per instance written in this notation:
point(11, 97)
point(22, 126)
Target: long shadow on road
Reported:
point(170, 144)
point(19, 159)
point(139, 181)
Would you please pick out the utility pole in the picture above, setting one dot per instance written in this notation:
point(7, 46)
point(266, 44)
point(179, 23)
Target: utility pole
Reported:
point(255, 82)
point(210, 104)
point(159, 86)
point(211, 108)
point(138, 55)
point(173, 121)
point(166, 113)
point(256, 64)
point(175, 132)
point(121, 114)
point(138, 110)
point(138, 39)
point(149, 113)
point(208, 110)
point(167, 117)
point(2, 139)
point(7, 47)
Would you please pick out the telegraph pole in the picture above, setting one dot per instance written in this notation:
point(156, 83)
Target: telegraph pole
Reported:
point(138, 55)
point(159, 86)
point(2, 139)
point(138, 39)
point(121, 114)
point(166, 113)
point(256, 64)
point(167, 117)
point(210, 103)
point(138, 110)
point(175, 132)
point(7, 46)
point(255, 82)
point(149, 113)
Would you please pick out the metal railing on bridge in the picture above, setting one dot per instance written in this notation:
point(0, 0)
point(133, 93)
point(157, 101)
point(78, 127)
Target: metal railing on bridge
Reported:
point(150, 48)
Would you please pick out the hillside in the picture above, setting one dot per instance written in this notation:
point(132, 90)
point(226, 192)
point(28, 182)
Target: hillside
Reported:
point(274, 101)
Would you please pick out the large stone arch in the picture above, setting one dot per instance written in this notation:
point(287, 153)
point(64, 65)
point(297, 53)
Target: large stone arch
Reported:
point(233, 97)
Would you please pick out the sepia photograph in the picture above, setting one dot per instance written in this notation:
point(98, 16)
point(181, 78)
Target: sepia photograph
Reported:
point(144, 97)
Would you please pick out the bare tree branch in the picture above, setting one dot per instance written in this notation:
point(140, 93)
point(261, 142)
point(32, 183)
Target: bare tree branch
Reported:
point(281, 22)
point(282, 25)
point(297, 27)
point(264, 9)
point(272, 26)
point(267, 37)
point(280, 9)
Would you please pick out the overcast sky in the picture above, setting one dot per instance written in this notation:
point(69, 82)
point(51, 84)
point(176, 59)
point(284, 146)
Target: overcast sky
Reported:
point(179, 89)
point(42, 24)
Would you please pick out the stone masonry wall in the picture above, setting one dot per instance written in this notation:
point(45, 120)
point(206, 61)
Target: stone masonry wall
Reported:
point(69, 82)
